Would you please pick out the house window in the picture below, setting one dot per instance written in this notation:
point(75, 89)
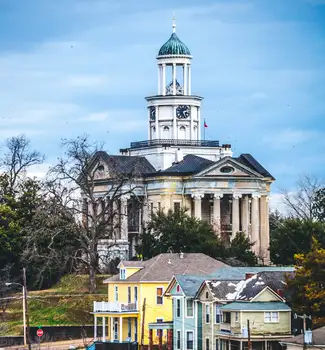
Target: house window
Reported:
point(226, 317)
point(129, 328)
point(178, 307)
point(207, 313)
point(207, 295)
point(271, 317)
point(160, 296)
point(189, 340)
point(207, 344)
point(116, 293)
point(177, 206)
point(159, 320)
point(178, 288)
point(122, 274)
point(159, 206)
point(218, 314)
point(236, 316)
point(178, 339)
point(136, 295)
point(189, 308)
point(135, 329)
point(129, 295)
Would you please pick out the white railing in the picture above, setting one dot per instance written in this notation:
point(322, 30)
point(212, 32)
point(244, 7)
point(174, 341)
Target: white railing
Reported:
point(114, 306)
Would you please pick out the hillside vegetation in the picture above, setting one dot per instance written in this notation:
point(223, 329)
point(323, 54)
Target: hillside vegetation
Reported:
point(66, 303)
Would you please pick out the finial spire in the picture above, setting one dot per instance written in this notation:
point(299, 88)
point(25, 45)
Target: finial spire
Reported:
point(174, 23)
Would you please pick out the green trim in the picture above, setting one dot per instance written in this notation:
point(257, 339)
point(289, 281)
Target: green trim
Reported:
point(173, 46)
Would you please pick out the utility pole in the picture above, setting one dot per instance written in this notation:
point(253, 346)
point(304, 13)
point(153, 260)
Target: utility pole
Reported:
point(26, 309)
point(303, 317)
point(249, 343)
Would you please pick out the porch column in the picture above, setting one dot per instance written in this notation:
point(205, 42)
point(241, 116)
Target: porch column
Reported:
point(124, 217)
point(169, 339)
point(121, 329)
point(217, 212)
point(244, 215)
point(145, 212)
point(95, 327)
point(150, 340)
point(235, 215)
point(229, 344)
point(104, 329)
point(265, 230)
point(160, 339)
point(197, 205)
point(255, 223)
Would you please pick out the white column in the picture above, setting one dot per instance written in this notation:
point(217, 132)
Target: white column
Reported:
point(174, 78)
point(189, 80)
point(185, 79)
point(217, 212)
point(159, 79)
point(235, 215)
point(121, 329)
point(199, 123)
point(174, 124)
point(255, 223)
point(95, 327)
point(124, 217)
point(112, 328)
point(104, 329)
point(164, 79)
point(244, 215)
point(150, 136)
point(264, 229)
point(197, 205)
point(157, 124)
point(145, 212)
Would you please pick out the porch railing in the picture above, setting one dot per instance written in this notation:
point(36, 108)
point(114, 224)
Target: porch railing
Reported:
point(114, 306)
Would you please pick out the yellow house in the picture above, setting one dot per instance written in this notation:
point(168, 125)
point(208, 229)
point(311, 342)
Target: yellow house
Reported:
point(135, 295)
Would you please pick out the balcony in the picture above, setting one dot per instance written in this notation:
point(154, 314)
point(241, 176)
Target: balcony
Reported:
point(174, 142)
point(114, 306)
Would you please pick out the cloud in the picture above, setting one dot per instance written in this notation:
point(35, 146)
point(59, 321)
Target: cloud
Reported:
point(276, 203)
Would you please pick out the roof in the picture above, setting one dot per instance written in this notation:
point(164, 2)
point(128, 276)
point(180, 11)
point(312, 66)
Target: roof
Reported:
point(248, 160)
point(136, 263)
point(220, 289)
point(318, 337)
point(174, 46)
point(127, 164)
point(191, 283)
point(190, 164)
point(163, 267)
point(257, 306)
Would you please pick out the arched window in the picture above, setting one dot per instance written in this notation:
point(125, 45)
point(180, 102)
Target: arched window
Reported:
point(153, 132)
point(182, 133)
point(166, 132)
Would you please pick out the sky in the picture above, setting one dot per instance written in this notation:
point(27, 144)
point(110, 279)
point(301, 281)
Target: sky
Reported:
point(74, 67)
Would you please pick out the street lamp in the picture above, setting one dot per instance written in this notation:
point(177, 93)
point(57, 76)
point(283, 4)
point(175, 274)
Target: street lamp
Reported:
point(25, 308)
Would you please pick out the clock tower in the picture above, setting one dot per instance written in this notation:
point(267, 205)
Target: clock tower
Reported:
point(174, 114)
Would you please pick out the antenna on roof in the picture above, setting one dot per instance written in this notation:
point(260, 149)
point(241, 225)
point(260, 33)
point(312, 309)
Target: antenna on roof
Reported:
point(174, 22)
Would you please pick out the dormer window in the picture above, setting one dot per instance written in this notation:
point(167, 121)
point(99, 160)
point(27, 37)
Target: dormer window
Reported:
point(122, 274)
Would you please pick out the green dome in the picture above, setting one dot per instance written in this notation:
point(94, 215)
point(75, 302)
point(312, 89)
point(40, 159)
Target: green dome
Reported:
point(174, 47)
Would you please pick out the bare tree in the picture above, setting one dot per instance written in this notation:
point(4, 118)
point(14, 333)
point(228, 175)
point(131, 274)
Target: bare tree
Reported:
point(97, 214)
point(18, 158)
point(301, 202)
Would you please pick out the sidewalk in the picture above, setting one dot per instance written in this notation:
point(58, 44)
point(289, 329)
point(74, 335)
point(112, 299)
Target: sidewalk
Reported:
point(59, 345)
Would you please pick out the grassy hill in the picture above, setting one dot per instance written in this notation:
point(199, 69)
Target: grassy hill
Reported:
point(66, 303)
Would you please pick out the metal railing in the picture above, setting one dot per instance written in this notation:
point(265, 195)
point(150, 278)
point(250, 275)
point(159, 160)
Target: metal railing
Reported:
point(175, 142)
point(114, 306)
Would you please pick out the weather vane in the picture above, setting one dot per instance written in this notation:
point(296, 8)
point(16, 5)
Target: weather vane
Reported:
point(174, 22)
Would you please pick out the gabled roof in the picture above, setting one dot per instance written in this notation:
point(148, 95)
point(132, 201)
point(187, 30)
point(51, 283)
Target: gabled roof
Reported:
point(163, 267)
point(190, 283)
point(248, 160)
point(138, 264)
point(126, 164)
point(260, 306)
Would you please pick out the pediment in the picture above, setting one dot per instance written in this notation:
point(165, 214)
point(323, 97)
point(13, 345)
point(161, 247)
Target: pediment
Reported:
point(228, 167)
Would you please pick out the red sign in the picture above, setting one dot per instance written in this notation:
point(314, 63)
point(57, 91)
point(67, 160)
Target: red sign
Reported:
point(39, 332)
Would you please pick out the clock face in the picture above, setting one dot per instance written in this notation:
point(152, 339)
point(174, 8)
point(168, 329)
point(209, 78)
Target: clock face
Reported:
point(183, 111)
point(152, 113)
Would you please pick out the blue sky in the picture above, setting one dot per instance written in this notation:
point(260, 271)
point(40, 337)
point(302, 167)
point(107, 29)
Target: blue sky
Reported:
point(69, 67)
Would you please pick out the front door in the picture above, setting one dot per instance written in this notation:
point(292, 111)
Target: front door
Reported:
point(115, 326)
